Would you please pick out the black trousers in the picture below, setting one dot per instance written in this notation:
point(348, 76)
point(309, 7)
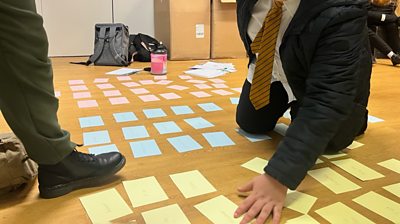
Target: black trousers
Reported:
point(390, 31)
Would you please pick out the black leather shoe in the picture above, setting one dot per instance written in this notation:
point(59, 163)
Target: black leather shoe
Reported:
point(395, 59)
point(78, 170)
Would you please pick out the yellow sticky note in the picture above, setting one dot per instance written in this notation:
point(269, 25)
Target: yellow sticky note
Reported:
point(334, 156)
point(340, 213)
point(257, 165)
point(394, 189)
point(192, 183)
point(319, 161)
point(105, 206)
point(304, 219)
point(391, 164)
point(219, 210)
point(299, 201)
point(357, 169)
point(380, 205)
point(144, 191)
point(333, 180)
point(171, 214)
point(355, 145)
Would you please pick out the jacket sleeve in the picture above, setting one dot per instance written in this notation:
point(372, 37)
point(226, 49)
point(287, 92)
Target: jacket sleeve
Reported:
point(330, 89)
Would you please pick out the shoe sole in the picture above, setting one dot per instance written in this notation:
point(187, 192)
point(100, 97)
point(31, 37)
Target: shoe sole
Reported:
point(63, 189)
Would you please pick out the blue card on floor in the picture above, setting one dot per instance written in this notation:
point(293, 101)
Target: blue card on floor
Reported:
point(235, 100)
point(180, 110)
point(167, 127)
point(145, 148)
point(209, 107)
point(87, 122)
point(125, 117)
point(184, 143)
point(198, 123)
point(103, 149)
point(218, 139)
point(96, 138)
point(135, 132)
point(253, 137)
point(154, 113)
point(372, 119)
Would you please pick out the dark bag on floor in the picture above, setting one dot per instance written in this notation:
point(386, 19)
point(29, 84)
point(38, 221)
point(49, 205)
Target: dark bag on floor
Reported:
point(144, 45)
point(16, 168)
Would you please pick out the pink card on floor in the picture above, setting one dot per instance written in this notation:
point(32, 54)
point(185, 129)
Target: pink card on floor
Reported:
point(185, 77)
point(220, 85)
point(164, 82)
point(131, 84)
point(149, 98)
point(140, 91)
point(217, 80)
point(177, 87)
point(196, 81)
point(160, 77)
point(200, 94)
point(170, 96)
point(222, 92)
point(76, 82)
point(101, 80)
point(118, 100)
point(202, 86)
point(78, 88)
point(57, 94)
point(81, 95)
point(112, 93)
point(146, 82)
point(124, 78)
point(87, 103)
point(105, 86)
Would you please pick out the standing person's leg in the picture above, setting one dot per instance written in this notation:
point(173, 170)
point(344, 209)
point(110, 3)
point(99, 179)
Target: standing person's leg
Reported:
point(392, 36)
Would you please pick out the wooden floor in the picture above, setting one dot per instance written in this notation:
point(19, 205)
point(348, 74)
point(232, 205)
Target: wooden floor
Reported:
point(221, 166)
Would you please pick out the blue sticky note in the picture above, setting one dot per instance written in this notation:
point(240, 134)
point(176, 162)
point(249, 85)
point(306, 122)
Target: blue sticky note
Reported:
point(209, 107)
point(253, 137)
point(235, 100)
point(145, 148)
point(198, 123)
point(184, 143)
point(218, 139)
point(94, 121)
point(103, 149)
point(167, 127)
point(154, 113)
point(135, 132)
point(372, 119)
point(125, 117)
point(180, 110)
point(96, 138)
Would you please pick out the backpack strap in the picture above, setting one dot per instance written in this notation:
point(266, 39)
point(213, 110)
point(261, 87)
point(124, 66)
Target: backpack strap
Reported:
point(117, 57)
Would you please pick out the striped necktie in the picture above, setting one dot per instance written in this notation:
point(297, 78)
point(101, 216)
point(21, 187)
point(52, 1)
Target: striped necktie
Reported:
point(264, 44)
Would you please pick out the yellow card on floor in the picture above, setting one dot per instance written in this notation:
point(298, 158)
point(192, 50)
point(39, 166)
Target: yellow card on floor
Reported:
point(319, 161)
point(105, 206)
point(304, 219)
point(391, 164)
point(380, 205)
point(192, 183)
point(333, 180)
point(394, 189)
point(257, 165)
point(334, 156)
point(355, 145)
point(340, 213)
point(357, 169)
point(299, 202)
point(219, 210)
point(144, 191)
point(171, 214)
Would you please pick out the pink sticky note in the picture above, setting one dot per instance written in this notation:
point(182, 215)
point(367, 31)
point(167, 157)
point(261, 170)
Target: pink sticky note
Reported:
point(105, 86)
point(170, 96)
point(76, 82)
point(217, 80)
point(149, 98)
point(222, 92)
point(81, 95)
point(78, 88)
point(118, 100)
point(101, 80)
point(202, 86)
point(130, 84)
point(112, 93)
point(124, 78)
point(160, 77)
point(239, 90)
point(185, 77)
point(57, 93)
point(87, 103)
point(164, 82)
point(200, 94)
point(220, 85)
point(146, 82)
point(196, 81)
point(177, 87)
point(140, 91)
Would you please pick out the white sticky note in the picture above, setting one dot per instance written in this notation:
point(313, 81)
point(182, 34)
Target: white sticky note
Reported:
point(380, 205)
point(304, 219)
point(299, 202)
point(357, 169)
point(334, 156)
point(105, 206)
point(144, 191)
point(333, 180)
point(192, 183)
point(171, 214)
point(200, 34)
point(257, 165)
point(391, 164)
point(340, 213)
point(219, 210)
point(394, 189)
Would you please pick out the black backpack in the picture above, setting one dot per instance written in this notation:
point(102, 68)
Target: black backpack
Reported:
point(143, 45)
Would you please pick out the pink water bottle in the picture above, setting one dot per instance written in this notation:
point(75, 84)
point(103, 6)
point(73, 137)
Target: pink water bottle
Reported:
point(159, 60)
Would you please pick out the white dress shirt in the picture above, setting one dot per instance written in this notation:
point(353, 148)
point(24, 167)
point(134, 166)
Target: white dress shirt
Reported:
point(259, 13)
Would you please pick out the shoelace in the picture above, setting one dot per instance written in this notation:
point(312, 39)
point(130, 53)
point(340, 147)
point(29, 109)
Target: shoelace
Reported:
point(84, 157)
